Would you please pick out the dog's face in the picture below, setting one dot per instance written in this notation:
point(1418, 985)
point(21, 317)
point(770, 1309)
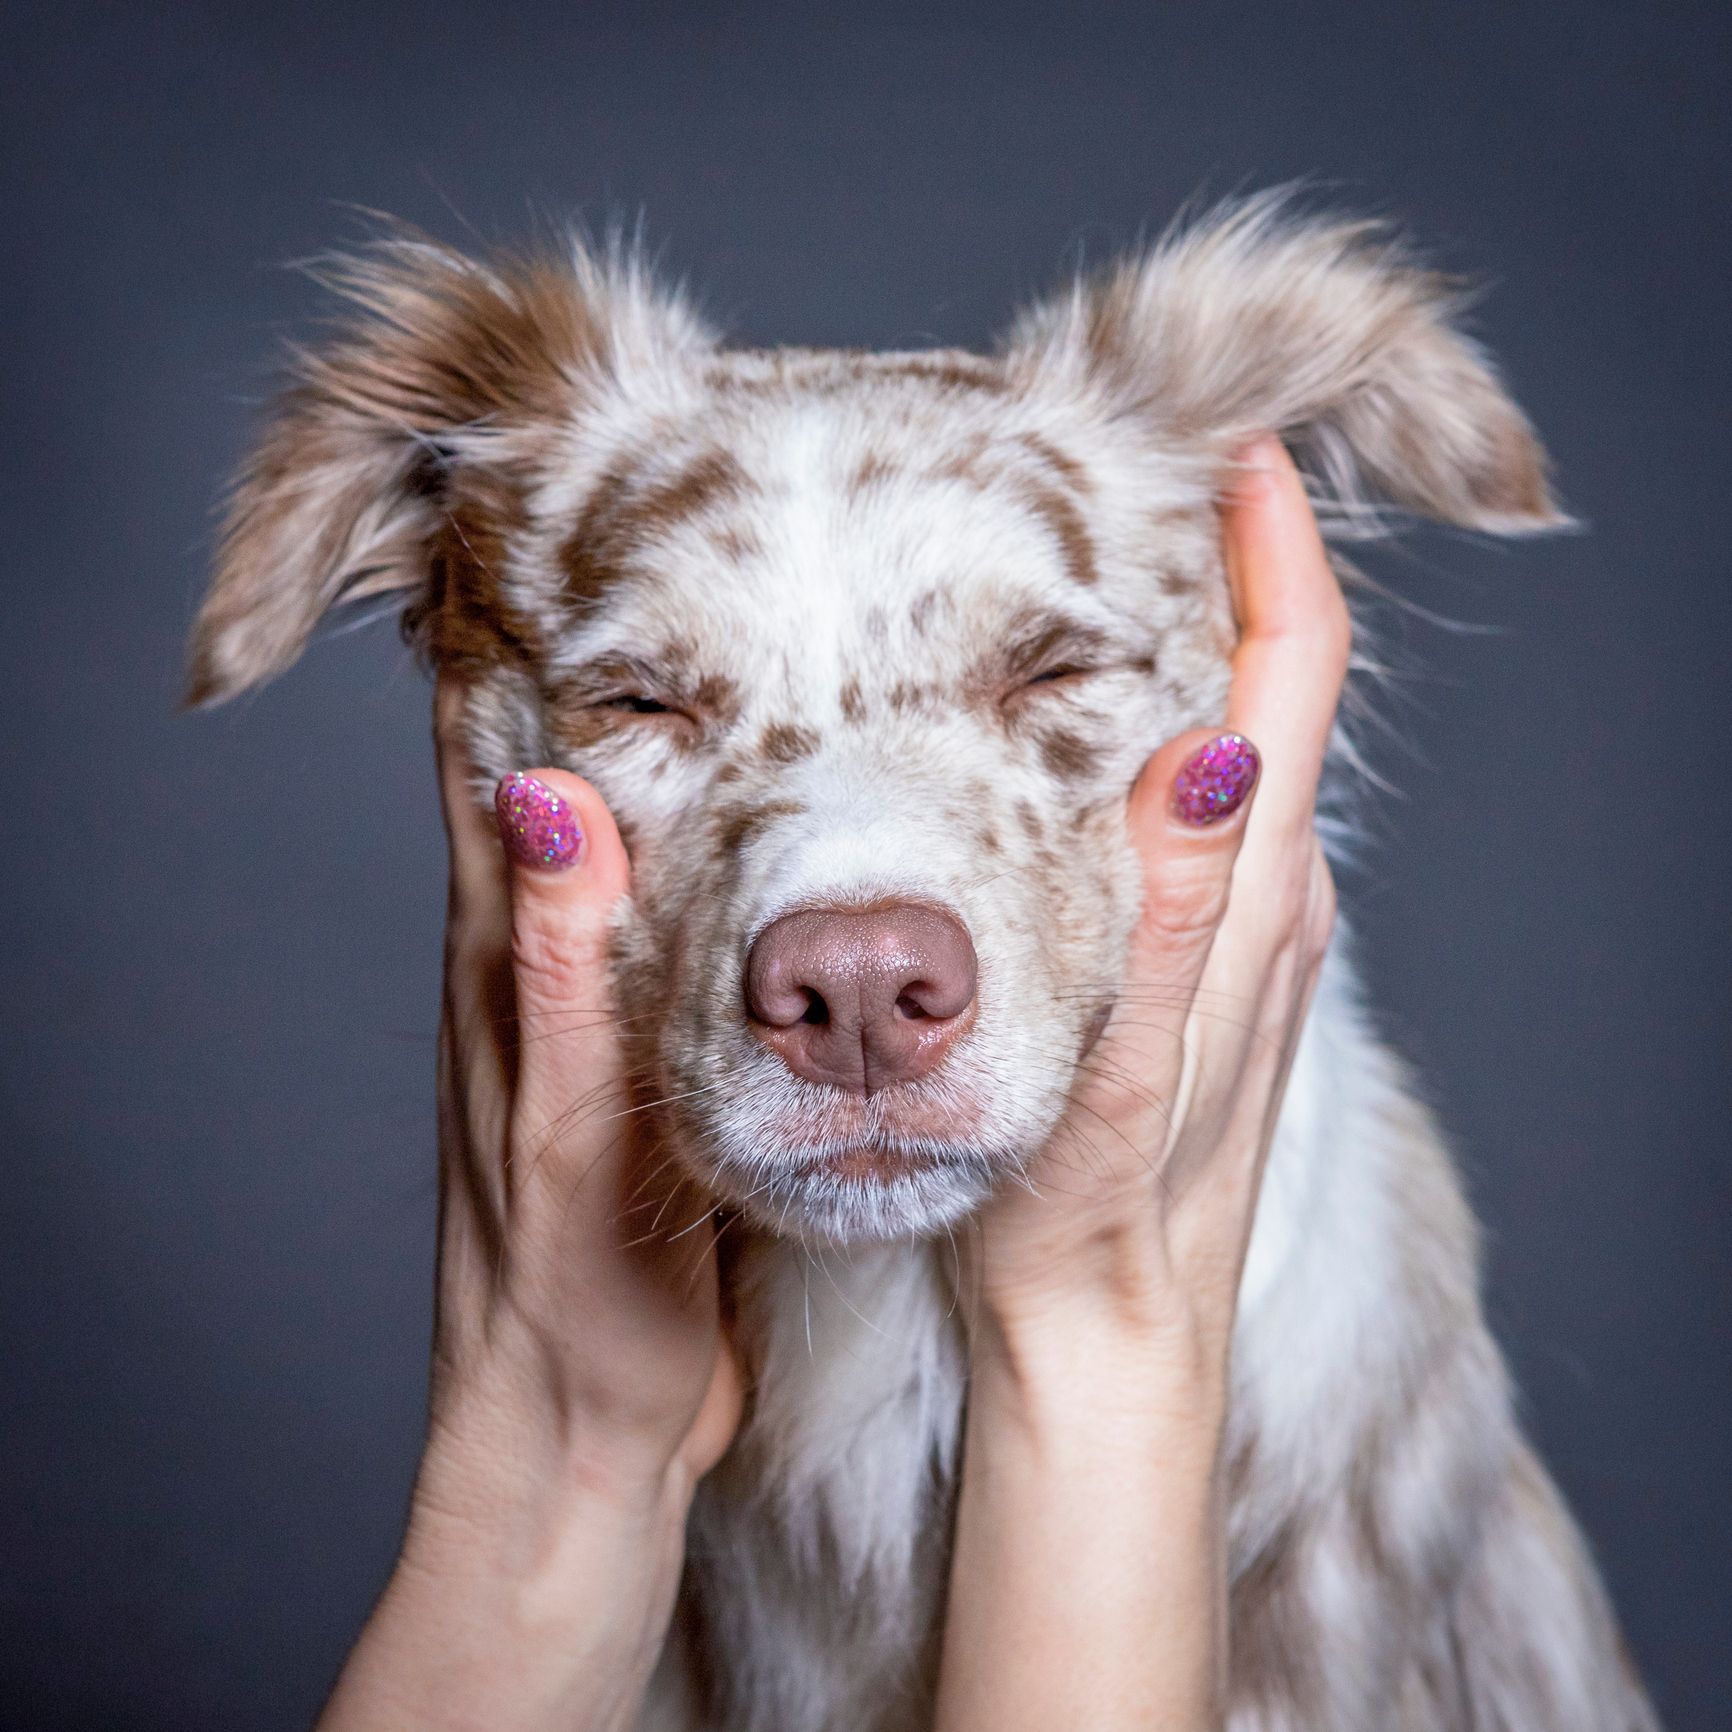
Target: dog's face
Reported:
point(864, 652)
point(855, 636)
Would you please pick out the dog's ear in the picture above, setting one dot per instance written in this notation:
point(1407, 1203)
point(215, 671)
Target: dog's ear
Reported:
point(437, 359)
point(1256, 319)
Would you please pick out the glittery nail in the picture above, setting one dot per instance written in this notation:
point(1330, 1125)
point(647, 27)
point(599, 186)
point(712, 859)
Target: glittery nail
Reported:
point(1215, 780)
point(537, 827)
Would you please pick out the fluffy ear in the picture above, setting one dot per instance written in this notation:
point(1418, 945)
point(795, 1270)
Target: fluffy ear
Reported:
point(436, 356)
point(1328, 333)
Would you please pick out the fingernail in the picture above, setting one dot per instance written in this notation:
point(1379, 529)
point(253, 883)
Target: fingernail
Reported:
point(1215, 780)
point(537, 827)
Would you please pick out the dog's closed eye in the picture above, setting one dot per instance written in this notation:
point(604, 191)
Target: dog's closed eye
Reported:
point(636, 704)
point(1058, 675)
point(1056, 652)
point(632, 687)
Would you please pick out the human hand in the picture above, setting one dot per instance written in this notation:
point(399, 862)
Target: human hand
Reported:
point(1140, 1208)
point(1088, 1582)
point(565, 1275)
point(581, 1380)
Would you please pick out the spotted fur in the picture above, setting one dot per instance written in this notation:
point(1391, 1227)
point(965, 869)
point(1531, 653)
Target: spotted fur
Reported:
point(829, 626)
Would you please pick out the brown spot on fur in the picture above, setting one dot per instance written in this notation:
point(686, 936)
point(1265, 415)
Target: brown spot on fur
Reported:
point(736, 825)
point(737, 545)
point(912, 698)
point(833, 372)
point(619, 517)
point(873, 470)
point(1068, 756)
point(1059, 512)
point(1030, 820)
point(986, 839)
point(851, 700)
point(463, 619)
point(1046, 499)
point(924, 606)
point(586, 555)
point(1068, 469)
point(708, 480)
point(787, 743)
point(718, 697)
point(950, 369)
point(576, 728)
point(967, 465)
point(1053, 872)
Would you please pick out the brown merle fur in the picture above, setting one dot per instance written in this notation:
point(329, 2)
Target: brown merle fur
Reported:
point(913, 622)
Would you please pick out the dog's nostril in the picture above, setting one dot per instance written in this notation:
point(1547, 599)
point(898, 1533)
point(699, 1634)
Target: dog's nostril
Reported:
point(861, 998)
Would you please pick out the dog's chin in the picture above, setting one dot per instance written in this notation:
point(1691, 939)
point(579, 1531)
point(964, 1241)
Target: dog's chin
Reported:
point(861, 1193)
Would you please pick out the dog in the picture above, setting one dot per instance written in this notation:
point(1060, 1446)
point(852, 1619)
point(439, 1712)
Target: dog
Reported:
point(849, 636)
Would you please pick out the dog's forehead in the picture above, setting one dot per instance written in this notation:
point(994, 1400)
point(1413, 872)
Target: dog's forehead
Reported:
point(810, 507)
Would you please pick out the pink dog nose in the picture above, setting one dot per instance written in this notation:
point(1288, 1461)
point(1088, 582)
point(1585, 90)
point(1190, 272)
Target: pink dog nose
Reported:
point(861, 998)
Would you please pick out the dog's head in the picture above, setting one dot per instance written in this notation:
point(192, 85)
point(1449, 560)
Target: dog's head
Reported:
point(863, 650)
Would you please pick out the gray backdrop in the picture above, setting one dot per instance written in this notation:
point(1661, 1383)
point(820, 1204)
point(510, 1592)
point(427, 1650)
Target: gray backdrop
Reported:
point(222, 933)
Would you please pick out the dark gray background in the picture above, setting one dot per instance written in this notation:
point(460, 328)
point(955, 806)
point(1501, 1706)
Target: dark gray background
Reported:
point(221, 933)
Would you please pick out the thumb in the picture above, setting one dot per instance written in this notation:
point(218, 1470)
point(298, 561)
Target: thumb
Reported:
point(568, 872)
point(1186, 821)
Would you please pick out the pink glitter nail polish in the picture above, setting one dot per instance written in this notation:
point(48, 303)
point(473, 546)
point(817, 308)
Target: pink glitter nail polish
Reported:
point(537, 827)
point(1214, 781)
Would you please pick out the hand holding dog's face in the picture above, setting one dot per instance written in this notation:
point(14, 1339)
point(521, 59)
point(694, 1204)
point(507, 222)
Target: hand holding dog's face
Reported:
point(865, 652)
point(1139, 1211)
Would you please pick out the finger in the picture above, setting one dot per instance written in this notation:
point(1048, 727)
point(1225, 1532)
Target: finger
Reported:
point(478, 884)
point(1284, 986)
point(1295, 635)
point(1186, 820)
point(567, 871)
point(479, 1008)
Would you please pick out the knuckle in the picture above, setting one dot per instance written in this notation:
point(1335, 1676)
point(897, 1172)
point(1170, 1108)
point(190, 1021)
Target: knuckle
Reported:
point(1184, 907)
point(1299, 922)
point(1321, 908)
point(1324, 635)
point(550, 962)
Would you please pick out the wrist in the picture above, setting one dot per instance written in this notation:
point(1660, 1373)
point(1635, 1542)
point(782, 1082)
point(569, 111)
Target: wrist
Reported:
point(525, 1494)
point(1072, 1411)
point(534, 1587)
point(563, 1586)
point(1075, 1374)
